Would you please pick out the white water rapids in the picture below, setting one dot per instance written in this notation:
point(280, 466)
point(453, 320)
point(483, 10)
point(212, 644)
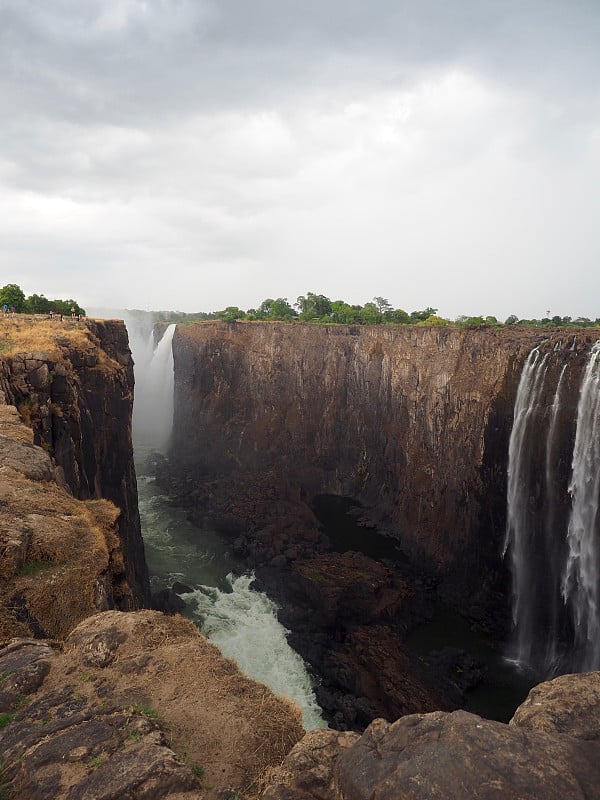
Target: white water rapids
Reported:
point(239, 620)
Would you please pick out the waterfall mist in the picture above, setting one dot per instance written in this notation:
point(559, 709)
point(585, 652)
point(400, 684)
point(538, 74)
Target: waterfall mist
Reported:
point(154, 384)
point(552, 531)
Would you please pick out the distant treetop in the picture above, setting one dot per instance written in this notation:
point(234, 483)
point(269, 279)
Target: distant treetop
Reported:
point(319, 309)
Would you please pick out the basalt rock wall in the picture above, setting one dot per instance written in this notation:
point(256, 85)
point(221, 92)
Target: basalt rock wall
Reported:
point(75, 389)
point(413, 422)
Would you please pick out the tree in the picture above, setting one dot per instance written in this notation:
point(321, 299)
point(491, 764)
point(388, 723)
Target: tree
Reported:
point(343, 313)
point(230, 314)
point(511, 320)
point(314, 307)
point(13, 296)
point(421, 316)
point(383, 306)
point(64, 307)
point(278, 309)
point(434, 320)
point(371, 315)
point(38, 304)
point(399, 316)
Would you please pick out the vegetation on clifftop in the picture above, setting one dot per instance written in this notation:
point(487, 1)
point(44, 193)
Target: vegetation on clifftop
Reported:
point(13, 296)
point(317, 308)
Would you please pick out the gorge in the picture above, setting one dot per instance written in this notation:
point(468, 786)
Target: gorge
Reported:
point(413, 426)
point(280, 431)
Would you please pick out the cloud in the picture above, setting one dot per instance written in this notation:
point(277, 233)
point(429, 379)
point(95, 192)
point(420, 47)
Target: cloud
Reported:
point(193, 155)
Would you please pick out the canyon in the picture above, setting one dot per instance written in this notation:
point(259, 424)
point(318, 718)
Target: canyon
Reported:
point(410, 426)
point(277, 429)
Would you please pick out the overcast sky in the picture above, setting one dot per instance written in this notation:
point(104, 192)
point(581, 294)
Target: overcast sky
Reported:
point(194, 154)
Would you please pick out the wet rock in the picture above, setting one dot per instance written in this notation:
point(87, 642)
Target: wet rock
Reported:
point(167, 601)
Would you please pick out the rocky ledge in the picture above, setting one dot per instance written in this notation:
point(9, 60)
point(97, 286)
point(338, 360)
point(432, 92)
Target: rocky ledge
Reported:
point(549, 751)
point(135, 705)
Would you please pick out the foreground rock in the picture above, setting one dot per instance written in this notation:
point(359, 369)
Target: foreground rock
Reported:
point(569, 704)
point(137, 705)
point(548, 752)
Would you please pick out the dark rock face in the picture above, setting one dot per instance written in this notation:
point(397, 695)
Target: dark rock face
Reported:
point(78, 398)
point(399, 418)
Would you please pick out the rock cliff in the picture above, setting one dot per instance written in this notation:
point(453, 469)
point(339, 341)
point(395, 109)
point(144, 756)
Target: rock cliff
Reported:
point(409, 421)
point(73, 385)
point(412, 424)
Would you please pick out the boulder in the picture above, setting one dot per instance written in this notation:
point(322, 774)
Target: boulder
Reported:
point(569, 704)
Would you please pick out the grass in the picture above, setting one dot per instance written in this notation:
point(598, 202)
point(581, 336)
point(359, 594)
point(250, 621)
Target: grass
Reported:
point(29, 334)
point(147, 711)
point(197, 770)
point(96, 762)
point(36, 566)
point(6, 718)
point(5, 675)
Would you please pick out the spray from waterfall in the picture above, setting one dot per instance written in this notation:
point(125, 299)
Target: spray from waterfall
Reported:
point(154, 384)
point(552, 532)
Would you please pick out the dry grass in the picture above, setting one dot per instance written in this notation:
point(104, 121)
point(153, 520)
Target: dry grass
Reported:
point(28, 333)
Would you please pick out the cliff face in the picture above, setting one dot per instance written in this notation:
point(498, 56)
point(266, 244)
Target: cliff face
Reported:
point(73, 384)
point(412, 422)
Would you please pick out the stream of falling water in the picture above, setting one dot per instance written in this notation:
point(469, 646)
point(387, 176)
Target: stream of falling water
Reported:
point(239, 620)
point(555, 560)
point(581, 585)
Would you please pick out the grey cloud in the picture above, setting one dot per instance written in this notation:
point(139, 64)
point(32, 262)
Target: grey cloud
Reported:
point(412, 149)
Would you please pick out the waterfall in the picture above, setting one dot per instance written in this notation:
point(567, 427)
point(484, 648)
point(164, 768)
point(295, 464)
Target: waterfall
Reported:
point(581, 589)
point(520, 513)
point(154, 383)
point(552, 519)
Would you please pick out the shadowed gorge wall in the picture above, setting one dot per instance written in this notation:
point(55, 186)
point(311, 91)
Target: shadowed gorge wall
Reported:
point(412, 422)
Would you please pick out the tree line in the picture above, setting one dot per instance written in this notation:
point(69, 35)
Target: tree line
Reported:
point(13, 296)
point(318, 308)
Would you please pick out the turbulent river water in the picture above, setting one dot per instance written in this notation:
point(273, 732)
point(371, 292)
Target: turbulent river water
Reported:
point(240, 621)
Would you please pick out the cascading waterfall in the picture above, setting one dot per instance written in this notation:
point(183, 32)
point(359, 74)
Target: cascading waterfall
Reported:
point(520, 486)
point(581, 589)
point(552, 518)
point(241, 621)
